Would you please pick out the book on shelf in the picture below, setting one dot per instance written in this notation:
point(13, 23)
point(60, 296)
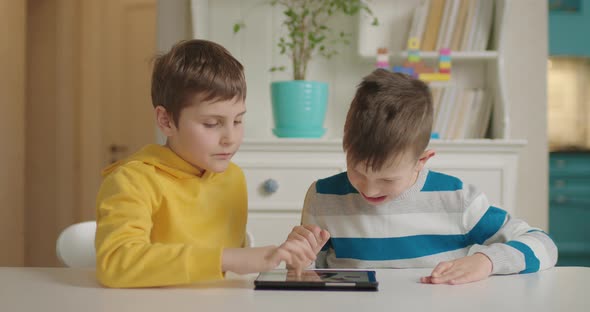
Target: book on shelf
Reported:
point(483, 26)
point(419, 21)
point(460, 25)
point(461, 113)
point(434, 17)
point(445, 33)
point(469, 31)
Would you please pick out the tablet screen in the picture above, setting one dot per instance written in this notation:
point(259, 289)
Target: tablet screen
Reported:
point(317, 279)
point(315, 276)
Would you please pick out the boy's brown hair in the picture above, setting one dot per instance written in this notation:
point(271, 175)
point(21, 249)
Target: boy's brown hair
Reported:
point(391, 114)
point(196, 68)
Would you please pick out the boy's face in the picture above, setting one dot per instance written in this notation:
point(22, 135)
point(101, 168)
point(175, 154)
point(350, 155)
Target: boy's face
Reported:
point(378, 187)
point(208, 134)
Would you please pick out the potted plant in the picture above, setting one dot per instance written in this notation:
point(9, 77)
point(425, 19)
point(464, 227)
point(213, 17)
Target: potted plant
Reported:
point(299, 105)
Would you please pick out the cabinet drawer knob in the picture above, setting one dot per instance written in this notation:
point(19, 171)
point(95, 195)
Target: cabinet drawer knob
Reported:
point(270, 186)
point(560, 183)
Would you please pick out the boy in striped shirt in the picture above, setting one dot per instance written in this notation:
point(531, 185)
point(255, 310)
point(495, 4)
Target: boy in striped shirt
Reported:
point(389, 211)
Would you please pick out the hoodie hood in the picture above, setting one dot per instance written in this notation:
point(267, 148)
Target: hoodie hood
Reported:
point(162, 158)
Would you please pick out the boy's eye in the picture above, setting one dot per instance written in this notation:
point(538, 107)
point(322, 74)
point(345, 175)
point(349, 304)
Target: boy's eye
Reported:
point(210, 124)
point(237, 122)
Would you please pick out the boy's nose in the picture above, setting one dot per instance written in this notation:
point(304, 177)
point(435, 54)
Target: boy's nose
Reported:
point(370, 190)
point(228, 136)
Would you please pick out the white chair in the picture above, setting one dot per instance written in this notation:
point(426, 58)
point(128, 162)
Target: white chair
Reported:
point(75, 245)
point(249, 240)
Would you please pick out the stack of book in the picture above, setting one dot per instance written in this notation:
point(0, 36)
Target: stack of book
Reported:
point(461, 25)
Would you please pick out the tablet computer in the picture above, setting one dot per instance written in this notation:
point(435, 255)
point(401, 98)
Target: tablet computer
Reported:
point(360, 280)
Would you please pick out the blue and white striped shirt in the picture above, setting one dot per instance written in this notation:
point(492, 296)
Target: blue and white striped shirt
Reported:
point(437, 219)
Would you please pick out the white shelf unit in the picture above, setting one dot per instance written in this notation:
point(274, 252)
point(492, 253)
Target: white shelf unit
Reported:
point(470, 69)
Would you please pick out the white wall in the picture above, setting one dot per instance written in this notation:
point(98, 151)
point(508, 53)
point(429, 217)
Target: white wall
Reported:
point(526, 63)
point(525, 60)
point(174, 24)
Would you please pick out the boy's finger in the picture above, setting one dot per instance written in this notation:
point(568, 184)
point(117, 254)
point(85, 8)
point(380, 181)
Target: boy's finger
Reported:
point(305, 250)
point(294, 232)
point(293, 236)
point(278, 256)
point(448, 277)
point(324, 236)
point(309, 236)
point(298, 228)
point(426, 279)
point(315, 230)
point(297, 271)
point(299, 250)
point(298, 237)
point(290, 258)
point(440, 269)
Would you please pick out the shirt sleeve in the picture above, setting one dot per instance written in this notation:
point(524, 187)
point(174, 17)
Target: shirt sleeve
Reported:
point(308, 217)
point(125, 255)
point(511, 244)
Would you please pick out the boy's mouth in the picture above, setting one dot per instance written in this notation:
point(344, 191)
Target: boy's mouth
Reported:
point(223, 155)
point(374, 200)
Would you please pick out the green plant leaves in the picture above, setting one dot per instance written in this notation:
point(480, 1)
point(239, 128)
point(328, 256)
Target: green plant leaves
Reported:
point(238, 26)
point(308, 31)
point(277, 68)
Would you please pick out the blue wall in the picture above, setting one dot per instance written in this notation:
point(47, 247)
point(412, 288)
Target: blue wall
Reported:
point(569, 32)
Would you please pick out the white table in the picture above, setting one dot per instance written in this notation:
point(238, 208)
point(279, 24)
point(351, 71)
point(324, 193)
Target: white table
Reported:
point(61, 289)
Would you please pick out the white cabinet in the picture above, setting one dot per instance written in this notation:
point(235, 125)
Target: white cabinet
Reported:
point(294, 164)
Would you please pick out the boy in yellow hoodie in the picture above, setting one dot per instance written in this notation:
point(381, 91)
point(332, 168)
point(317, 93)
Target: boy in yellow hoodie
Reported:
point(176, 214)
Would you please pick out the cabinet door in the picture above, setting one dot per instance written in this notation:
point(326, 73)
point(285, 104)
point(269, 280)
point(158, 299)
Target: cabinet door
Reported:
point(273, 187)
point(493, 174)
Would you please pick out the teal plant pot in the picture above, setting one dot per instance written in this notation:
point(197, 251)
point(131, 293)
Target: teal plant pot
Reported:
point(299, 108)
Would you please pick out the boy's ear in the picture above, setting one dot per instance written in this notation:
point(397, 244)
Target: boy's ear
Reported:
point(164, 121)
point(426, 155)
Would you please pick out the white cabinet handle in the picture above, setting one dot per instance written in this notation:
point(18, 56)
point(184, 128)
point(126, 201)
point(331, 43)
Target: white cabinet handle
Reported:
point(270, 186)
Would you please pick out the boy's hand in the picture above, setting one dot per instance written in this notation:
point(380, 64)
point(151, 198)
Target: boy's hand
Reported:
point(463, 270)
point(260, 259)
point(311, 234)
point(312, 237)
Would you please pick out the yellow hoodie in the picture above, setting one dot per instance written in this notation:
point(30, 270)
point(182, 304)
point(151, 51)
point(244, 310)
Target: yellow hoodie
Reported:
point(159, 223)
